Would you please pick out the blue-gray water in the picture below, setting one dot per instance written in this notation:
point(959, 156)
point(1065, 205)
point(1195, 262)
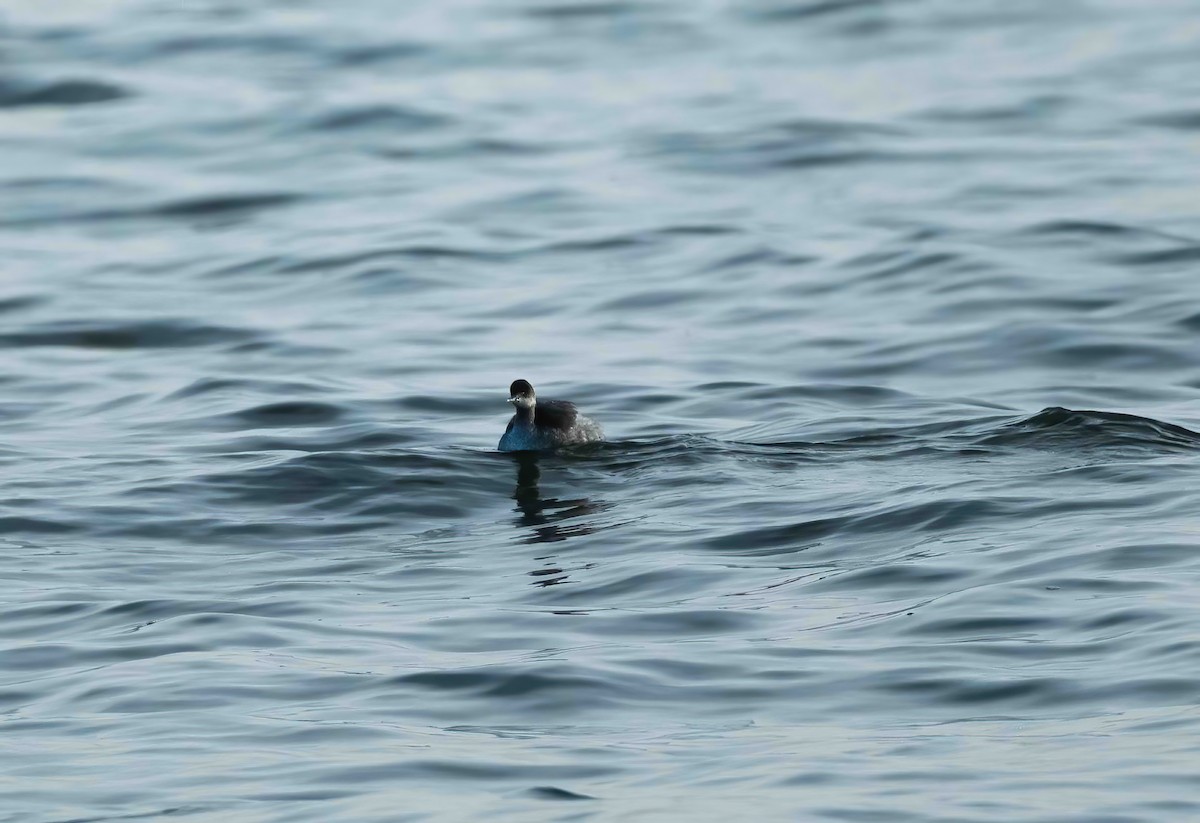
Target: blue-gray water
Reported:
point(891, 311)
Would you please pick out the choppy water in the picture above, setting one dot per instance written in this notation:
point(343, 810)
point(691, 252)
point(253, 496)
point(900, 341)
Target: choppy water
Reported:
point(890, 310)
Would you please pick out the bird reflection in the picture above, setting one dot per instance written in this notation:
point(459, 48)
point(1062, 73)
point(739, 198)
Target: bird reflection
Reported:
point(542, 518)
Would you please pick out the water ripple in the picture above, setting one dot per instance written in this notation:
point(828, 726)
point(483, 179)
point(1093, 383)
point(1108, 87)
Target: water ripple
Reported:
point(885, 307)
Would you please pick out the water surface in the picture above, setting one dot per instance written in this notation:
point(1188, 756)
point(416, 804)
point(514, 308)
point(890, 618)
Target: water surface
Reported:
point(890, 312)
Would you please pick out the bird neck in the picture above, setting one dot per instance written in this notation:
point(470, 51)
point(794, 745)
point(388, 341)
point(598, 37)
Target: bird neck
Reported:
point(525, 414)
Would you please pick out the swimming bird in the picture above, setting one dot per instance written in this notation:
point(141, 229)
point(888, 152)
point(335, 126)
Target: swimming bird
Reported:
point(544, 424)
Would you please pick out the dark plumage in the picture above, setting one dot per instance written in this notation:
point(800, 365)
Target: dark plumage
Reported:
point(544, 424)
point(554, 414)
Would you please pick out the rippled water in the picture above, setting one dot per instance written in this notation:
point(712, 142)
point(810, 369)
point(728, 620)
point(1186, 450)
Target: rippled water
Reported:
point(891, 311)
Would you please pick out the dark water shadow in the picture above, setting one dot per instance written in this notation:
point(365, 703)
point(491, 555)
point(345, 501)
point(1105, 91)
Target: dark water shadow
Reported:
point(544, 519)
